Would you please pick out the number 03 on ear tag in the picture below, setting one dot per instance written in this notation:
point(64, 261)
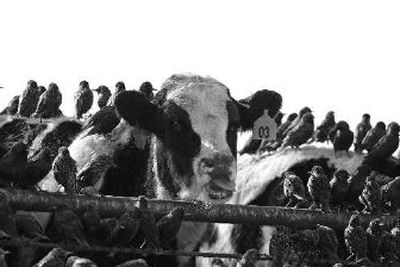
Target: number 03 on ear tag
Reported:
point(264, 128)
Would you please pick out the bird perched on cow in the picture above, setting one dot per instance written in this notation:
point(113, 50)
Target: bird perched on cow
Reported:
point(371, 196)
point(83, 99)
point(94, 170)
point(8, 226)
point(339, 187)
point(75, 261)
point(249, 259)
point(29, 226)
point(64, 170)
point(373, 136)
point(129, 222)
point(297, 120)
point(343, 138)
point(12, 106)
point(279, 245)
point(55, 258)
point(391, 193)
point(282, 128)
point(67, 227)
point(301, 132)
point(41, 89)
point(102, 122)
point(104, 95)
point(318, 187)
point(134, 263)
point(148, 225)
point(119, 89)
point(322, 131)
point(169, 225)
point(375, 237)
point(28, 100)
point(361, 130)
point(49, 103)
point(293, 189)
point(385, 147)
point(147, 89)
point(356, 239)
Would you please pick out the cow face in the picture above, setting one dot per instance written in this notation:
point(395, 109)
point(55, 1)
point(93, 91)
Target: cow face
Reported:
point(194, 121)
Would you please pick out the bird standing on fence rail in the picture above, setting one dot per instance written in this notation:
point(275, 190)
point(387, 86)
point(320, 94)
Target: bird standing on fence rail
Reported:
point(339, 187)
point(318, 187)
point(64, 170)
point(293, 189)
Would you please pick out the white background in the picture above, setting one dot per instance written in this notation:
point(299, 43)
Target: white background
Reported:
point(329, 55)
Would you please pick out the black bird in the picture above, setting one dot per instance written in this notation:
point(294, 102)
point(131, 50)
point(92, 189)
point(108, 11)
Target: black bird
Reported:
point(41, 89)
point(356, 239)
point(83, 99)
point(8, 226)
point(169, 225)
point(279, 245)
point(278, 118)
point(356, 183)
point(391, 193)
point(375, 237)
point(373, 136)
point(318, 187)
point(371, 196)
point(147, 89)
point(361, 130)
point(75, 261)
point(386, 146)
point(49, 103)
point(119, 89)
point(339, 186)
point(301, 132)
point(130, 224)
point(134, 263)
point(12, 106)
point(293, 189)
point(104, 94)
point(91, 221)
point(64, 170)
point(94, 170)
point(102, 122)
point(148, 225)
point(285, 125)
point(296, 121)
point(67, 227)
point(28, 100)
point(55, 258)
point(29, 226)
point(343, 138)
point(13, 163)
point(322, 131)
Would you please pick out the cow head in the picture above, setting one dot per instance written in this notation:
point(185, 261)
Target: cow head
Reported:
point(194, 122)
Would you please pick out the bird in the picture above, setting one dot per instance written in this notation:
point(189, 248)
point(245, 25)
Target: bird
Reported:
point(65, 170)
point(361, 130)
point(29, 226)
point(374, 238)
point(91, 221)
point(28, 100)
point(94, 170)
point(169, 225)
point(293, 189)
point(103, 95)
point(67, 227)
point(327, 243)
point(249, 259)
point(371, 196)
point(148, 225)
point(296, 121)
point(356, 239)
point(146, 88)
point(322, 131)
point(83, 99)
point(41, 89)
point(278, 118)
point(8, 226)
point(13, 163)
point(75, 261)
point(130, 224)
point(356, 183)
point(279, 245)
point(12, 106)
point(386, 146)
point(339, 186)
point(102, 122)
point(391, 193)
point(55, 258)
point(343, 138)
point(119, 88)
point(301, 132)
point(49, 103)
point(318, 187)
point(373, 136)
point(134, 263)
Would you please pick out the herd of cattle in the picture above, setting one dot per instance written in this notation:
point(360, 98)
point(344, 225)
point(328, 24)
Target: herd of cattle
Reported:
point(181, 143)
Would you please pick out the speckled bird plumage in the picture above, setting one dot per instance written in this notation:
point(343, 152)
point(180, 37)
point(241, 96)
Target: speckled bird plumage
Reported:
point(297, 120)
point(301, 132)
point(339, 186)
point(373, 136)
point(49, 103)
point(104, 95)
point(343, 138)
point(356, 239)
point(375, 233)
point(64, 170)
point(284, 126)
point(322, 131)
point(293, 189)
point(28, 100)
point(119, 89)
point(371, 196)
point(83, 99)
point(361, 130)
point(391, 193)
point(318, 188)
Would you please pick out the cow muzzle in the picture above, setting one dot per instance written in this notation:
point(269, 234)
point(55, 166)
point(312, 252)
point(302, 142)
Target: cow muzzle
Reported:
point(218, 172)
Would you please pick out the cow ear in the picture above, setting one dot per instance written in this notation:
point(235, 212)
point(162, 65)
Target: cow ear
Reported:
point(252, 107)
point(133, 107)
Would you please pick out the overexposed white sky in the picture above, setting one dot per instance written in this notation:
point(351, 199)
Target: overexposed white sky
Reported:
point(330, 55)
